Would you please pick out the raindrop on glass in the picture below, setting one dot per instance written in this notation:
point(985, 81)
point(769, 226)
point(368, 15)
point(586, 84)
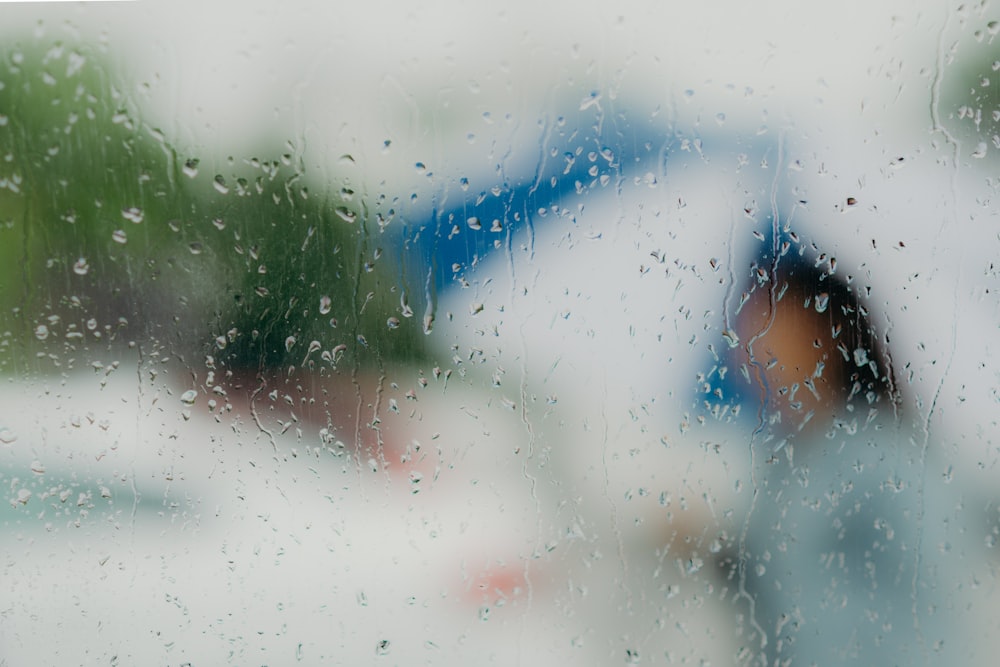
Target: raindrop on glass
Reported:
point(133, 214)
point(822, 301)
point(346, 214)
point(190, 168)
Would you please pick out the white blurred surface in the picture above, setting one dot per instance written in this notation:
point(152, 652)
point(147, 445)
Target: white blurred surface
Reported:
point(194, 539)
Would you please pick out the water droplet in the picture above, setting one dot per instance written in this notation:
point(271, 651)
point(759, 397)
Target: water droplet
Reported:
point(392, 322)
point(91, 324)
point(346, 214)
point(41, 332)
point(195, 248)
point(949, 475)
point(590, 100)
point(81, 267)
point(190, 168)
point(860, 356)
point(382, 648)
point(262, 291)
point(133, 214)
point(474, 223)
point(23, 496)
point(289, 343)
point(220, 184)
point(822, 301)
point(324, 305)
point(980, 151)
point(7, 436)
point(731, 338)
point(37, 467)
point(189, 397)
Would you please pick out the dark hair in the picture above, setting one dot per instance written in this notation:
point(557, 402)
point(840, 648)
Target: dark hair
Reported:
point(857, 365)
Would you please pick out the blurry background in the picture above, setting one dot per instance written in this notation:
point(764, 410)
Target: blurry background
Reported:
point(354, 333)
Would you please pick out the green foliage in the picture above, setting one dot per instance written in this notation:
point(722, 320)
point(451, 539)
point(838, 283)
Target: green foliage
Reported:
point(108, 236)
point(301, 278)
point(972, 94)
point(84, 200)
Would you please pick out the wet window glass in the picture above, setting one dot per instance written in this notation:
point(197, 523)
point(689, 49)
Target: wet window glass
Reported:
point(441, 335)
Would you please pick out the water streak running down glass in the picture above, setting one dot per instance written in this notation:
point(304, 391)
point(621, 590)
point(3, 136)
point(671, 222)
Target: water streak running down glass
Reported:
point(525, 335)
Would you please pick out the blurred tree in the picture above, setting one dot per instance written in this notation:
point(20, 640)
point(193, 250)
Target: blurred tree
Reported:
point(84, 200)
point(971, 93)
point(304, 279)
point(107, 236)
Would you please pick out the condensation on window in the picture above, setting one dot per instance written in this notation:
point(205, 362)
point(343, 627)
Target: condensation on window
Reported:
point(516, 335)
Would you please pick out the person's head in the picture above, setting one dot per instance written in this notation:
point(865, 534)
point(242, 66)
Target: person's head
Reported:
point(807, 343)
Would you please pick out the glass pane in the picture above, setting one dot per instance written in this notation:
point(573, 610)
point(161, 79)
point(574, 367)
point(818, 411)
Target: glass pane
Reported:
point(512, 335)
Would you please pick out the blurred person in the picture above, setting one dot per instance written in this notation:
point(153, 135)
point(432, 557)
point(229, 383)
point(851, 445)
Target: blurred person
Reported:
point(840, 554)
point(798, 467)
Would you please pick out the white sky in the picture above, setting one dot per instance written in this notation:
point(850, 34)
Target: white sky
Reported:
point(340, 73)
